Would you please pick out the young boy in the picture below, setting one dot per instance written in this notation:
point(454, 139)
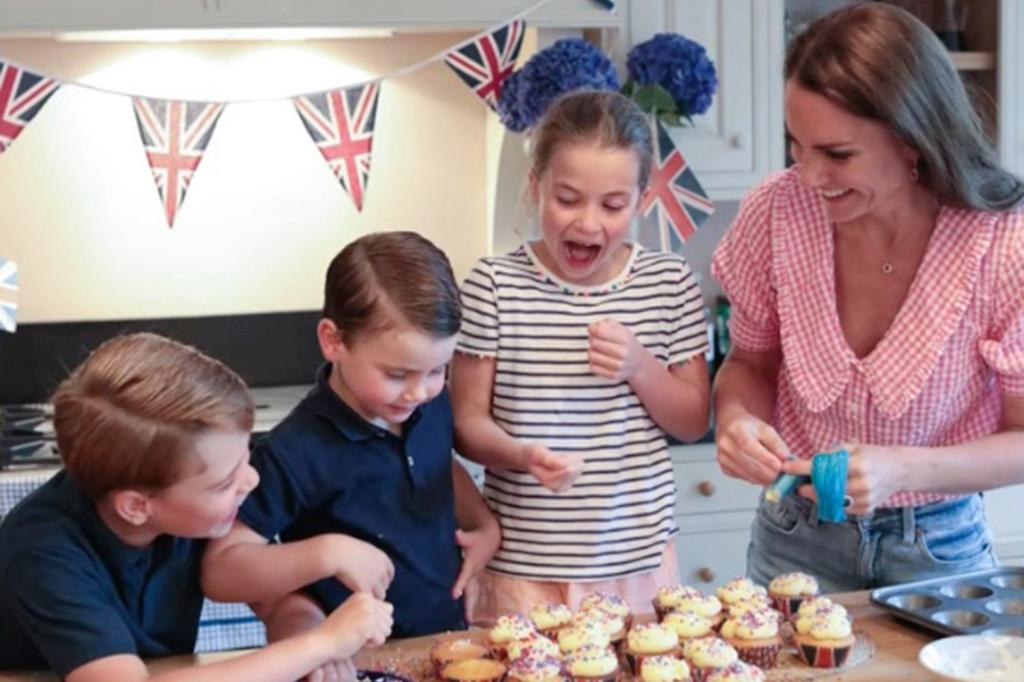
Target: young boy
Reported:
point(99, 567)
point(362, 467)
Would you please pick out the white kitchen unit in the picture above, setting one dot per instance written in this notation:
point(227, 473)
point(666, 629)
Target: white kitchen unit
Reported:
point(740, 138)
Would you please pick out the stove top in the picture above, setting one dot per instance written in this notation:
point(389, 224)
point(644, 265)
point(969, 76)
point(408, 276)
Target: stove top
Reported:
point(27, 439)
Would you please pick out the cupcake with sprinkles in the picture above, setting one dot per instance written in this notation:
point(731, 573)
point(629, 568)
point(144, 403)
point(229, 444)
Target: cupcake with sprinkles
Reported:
point(706, 605)
point(591, 663)
point(509, 628)
point(649, 639)
point(737, 672)
point(738, 590)
point(581, 634)
point(535, 645)
point(454, 650)
point(535, 669)
point(609, 603)
point(688, 625)
point(708, 654)
point(818, 606)
point(664, 669)
point(824, 640)
point(667, 598)
point(758, 601)
point(789, 590)
point(755, 636)
point(549, 618)
point(613, 625)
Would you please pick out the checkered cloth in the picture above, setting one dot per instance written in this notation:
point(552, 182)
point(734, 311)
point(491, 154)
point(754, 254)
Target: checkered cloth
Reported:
point(221, 626)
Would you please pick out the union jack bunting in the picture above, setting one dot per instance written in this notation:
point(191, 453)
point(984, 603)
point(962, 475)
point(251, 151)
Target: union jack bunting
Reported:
point(8, 288)
point(175, 136)
point(341, 125)
point(682, 204)
point(22, 95)
point(484, 63)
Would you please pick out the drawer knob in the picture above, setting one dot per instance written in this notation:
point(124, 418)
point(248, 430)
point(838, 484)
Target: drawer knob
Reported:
point(706, 488)
point(706, 574)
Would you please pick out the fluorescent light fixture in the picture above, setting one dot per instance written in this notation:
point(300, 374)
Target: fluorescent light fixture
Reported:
point(179, 35)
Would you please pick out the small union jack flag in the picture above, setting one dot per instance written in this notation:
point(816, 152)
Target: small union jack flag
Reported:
point(341, 124)
point(175, 136)
point(486, 61)
point(8, 289)
point(682, 204)
point(22, 95)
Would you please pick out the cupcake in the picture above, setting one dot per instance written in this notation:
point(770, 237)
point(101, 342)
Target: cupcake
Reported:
point(536, 645)
point(613, 625)
point(473, 670)
point(535, 669)
point(507, 629)
point(649, 639)
point(580, 634)
point(789, 590)
point(610, 603)
point(758, 604)
point(688, 625)
point(755, 637)
point(818, 606)
point(664, 669)
point(549, 617)
point(738, 590)
point(591, 663)
point(737, 672)
point(667, 598)
point(453, 650)
point(703, 605)
point(707, 654)
point(824, 640)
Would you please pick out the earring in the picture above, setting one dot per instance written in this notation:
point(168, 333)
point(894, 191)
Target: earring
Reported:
point(914, 173)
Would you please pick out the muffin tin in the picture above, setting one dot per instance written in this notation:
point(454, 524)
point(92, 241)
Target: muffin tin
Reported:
point(989, 602)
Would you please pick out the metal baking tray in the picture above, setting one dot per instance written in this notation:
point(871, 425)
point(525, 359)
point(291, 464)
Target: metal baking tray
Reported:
point(987, 602)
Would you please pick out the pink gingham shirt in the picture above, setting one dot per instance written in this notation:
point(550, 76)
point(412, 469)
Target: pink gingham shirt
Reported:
point(938, 375)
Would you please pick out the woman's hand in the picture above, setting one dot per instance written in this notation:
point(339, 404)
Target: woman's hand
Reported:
point(873, 474)
point(750, 449)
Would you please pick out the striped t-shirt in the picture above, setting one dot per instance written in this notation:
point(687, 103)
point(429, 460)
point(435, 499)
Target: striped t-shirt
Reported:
point(618, 515)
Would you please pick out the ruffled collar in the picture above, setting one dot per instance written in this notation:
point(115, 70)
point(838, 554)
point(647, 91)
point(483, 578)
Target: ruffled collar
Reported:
point(818, 358)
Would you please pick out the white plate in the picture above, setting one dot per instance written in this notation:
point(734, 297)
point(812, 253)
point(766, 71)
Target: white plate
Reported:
point(976, 658)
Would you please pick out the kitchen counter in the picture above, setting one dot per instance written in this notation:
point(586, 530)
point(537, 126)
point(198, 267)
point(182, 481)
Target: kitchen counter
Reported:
point(895, 659)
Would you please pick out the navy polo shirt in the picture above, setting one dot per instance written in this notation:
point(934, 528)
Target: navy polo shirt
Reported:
point(71, 592)
point(325, 469)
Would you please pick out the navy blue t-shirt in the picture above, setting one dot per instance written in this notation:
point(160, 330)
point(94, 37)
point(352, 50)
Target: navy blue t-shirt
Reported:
point(325, 469)
point(72, 592)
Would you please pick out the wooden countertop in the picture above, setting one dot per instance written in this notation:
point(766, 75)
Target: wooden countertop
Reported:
point(896, 658)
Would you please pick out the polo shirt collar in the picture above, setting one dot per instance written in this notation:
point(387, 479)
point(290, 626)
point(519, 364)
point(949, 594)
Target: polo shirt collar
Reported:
point(329, 405)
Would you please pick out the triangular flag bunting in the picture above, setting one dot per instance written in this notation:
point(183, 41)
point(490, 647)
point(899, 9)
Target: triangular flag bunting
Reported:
point(175, 136)
point(682, 204)
point(341, 125)
point(8, 290)
point(22, 95)
point(484, 63)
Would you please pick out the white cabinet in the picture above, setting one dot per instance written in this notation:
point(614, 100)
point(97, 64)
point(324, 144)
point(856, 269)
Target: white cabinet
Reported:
point(740, 138)
point(714, 513)
point(1005, 508)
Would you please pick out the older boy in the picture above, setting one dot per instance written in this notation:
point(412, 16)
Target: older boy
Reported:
point(100, 566)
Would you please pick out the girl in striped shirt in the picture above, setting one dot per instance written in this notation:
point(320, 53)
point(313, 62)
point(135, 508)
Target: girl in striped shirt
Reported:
point(578, 352)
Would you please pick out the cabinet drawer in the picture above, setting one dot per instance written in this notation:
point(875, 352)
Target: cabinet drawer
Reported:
point(709, 558)
point(703, 488)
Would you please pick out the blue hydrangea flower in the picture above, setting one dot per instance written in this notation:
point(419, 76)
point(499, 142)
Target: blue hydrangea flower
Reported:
point(679, 65)
point(568, 64)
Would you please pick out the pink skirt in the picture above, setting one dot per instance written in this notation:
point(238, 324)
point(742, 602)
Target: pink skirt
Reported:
point(495, 594)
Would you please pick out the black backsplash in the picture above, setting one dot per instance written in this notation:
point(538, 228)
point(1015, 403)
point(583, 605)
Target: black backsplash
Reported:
point(266, 349)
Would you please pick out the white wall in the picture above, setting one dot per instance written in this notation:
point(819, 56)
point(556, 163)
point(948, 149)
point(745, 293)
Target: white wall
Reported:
point(264, 215)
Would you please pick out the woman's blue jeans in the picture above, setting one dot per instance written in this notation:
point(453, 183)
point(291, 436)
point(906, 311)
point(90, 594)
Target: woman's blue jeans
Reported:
point(888, 546)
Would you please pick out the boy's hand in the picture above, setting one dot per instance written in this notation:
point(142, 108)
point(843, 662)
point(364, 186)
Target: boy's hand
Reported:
point(614, 351)
point(360, 621)
point(478, 546)
point(342, 670)
point(555, 472)
point(360, 566)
